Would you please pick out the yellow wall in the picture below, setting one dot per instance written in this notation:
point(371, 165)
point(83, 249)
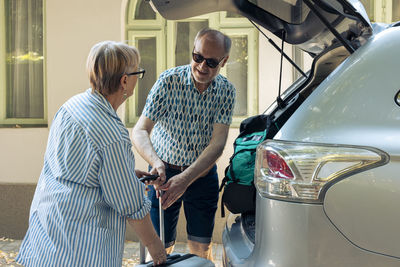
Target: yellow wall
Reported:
point(72, 28)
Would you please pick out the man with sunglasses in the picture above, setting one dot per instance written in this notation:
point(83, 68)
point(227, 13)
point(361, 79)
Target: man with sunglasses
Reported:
point(188, 111)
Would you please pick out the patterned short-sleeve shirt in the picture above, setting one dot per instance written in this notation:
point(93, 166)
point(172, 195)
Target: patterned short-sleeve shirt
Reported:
point(185, 117)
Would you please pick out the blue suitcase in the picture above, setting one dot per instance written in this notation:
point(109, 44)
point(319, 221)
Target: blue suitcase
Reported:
point(183, 260)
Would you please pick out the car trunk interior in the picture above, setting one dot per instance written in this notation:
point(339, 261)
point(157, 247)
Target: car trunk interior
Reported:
point(321, 67)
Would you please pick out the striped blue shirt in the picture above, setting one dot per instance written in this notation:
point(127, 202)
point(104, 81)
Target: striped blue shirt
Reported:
point(185, 117)
point(86, 190)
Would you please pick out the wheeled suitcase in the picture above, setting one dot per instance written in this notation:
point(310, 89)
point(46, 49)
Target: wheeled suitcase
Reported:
point(174, 259)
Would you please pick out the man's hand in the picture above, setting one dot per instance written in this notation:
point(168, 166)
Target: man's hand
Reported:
point(174, 189)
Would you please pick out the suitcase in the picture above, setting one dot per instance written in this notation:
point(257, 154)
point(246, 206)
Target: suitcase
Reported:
point(174, 259)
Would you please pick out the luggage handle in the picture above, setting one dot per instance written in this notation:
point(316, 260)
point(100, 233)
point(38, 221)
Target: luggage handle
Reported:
point(142, 248)
point(161, 215)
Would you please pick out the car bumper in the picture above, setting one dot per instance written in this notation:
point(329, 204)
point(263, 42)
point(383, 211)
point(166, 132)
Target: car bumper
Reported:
point(294, 234)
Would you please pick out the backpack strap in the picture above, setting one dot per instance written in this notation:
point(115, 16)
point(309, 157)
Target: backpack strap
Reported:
point(223, 182)
point(222, 207)
point(225, 179)
point(232, 174)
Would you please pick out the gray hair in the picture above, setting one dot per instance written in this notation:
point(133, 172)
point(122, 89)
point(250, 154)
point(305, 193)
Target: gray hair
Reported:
point(215, 34)
point(107, 62)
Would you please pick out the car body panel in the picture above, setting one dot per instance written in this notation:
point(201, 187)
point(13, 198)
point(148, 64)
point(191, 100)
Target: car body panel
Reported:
point(238, 246)
point(297, 234)
point(356, 105)
point(182, 9)
point(363, 208)
point(343, 108)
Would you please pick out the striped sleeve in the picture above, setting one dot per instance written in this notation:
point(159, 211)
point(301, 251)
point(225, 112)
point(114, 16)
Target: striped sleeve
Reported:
point(122, 190)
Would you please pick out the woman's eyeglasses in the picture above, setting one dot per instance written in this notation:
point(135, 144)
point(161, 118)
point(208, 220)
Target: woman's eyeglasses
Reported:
point(211, 62)
point(139, 73)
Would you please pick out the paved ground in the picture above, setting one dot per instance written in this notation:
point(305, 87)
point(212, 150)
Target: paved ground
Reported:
point(9, 250)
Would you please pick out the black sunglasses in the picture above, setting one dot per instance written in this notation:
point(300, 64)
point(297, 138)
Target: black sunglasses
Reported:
point(140, 73)
point(211, 62)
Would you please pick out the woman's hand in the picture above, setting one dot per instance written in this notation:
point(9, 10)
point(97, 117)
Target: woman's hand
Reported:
point(145, 231)
point(140, 173)
point(157, 252)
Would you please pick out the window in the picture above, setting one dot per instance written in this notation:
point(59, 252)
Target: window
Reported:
point(369, 6)
point(22, 64)
point(395, 10)
point(165, 44)
point(387, 11)
point(241, 70)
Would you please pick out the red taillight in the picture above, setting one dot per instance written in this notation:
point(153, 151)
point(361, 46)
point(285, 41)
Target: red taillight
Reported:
point(277, 166)
point(300, 171)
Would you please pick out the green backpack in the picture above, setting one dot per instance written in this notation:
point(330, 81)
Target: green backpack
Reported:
point(238, 183)
point(241, 169)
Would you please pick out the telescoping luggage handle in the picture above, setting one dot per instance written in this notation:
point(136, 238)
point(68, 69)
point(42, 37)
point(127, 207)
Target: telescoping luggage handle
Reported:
point(180, 259)
point(142, 253)
point(171, 259)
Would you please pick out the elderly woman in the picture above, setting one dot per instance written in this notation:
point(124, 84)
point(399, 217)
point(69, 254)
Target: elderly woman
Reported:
point(88, 187)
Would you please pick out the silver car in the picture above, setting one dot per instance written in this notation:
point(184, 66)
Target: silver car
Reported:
point(328, 182)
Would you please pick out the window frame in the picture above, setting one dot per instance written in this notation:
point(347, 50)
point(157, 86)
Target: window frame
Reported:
point(383, 11)
point(133, 36)
point(171, 30)
point(3, 83)
point(20, 122)
point(138, 23)
point(252, 70)
point(389, 11)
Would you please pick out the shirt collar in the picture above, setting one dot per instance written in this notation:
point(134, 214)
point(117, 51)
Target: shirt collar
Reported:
point(188, 79)
point(102, 102)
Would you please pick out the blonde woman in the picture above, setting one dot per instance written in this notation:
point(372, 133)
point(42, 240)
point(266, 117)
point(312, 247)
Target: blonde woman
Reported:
point(89, 187)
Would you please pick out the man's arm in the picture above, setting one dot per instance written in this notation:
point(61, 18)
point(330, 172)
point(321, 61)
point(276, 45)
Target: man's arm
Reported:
point(176, 186)
point(141, 141)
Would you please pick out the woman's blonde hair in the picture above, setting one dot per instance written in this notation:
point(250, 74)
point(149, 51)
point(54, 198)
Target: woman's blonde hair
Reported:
point(107, 62)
